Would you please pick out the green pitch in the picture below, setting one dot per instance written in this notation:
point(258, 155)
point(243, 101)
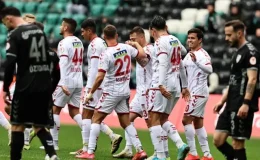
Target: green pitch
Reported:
point(70, 140)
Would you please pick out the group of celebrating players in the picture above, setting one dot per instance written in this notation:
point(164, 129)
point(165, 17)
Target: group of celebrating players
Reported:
point(162, 77)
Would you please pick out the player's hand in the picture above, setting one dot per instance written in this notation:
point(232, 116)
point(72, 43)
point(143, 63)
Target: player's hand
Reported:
point(7, 98)
point(8, 109)
point(218, 107)
point(193, 57)
point(165, 93)
point(88, 98)
point(243, 111)
point(131, 43)
point(185, 94)
point(65, 90)
point(147, 92)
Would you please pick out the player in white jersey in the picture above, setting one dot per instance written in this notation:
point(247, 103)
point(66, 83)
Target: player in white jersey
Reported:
point(165, 88)
point(198, 66)
point(138, 106)
point(114, 69)
point(95, 48)
point(68, 91)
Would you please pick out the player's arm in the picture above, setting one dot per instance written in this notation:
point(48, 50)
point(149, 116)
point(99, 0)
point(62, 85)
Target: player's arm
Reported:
point(203, 63)
point(140, 54)
point(144, 61)
point(98, 81)
point(93, 70)
point(183, 76)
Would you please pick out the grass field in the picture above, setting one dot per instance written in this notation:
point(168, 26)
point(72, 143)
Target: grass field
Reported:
point(70, 140)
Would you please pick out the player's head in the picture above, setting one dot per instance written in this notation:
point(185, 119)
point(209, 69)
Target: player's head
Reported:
point(88, 28)
point(195, 37)
point(39, 24)
point(30, 18)
point(157, 24)
point(234, 32)
point(68, 25)
point(137, 35)
point(9, 17)
point(110, 32)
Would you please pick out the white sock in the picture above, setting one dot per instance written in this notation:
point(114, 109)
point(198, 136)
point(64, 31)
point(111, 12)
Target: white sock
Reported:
point(27, 135)
point(86, 126)
point(131, 131)
point(203, 140)
point(94, 133)
point(190, 136)
point(152, 139)
point(128, 143)
point(4, 122)
point(165, 143)
point(105, 129)
point(156, 132)
point(78, 119)
point(55, 130)
point(173, 133)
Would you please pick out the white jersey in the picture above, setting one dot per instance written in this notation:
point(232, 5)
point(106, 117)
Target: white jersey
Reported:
point(116, 63)
point(95, 48)
point(197, 78)
point(144, 74)
point(70, 51)
point(170, 46)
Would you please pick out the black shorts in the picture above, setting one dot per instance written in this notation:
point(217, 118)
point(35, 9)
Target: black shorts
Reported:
point(236, 127)
point(32, 109)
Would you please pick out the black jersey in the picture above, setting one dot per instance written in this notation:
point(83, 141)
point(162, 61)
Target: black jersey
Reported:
point(55, 69)
point(246, 57)
point(27, 47)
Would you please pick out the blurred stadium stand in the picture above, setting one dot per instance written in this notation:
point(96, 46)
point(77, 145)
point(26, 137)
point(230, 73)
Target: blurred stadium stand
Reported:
point(181, 15)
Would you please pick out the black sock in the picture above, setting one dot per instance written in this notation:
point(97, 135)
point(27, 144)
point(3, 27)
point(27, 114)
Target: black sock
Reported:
point(47, 142)
point(17, 143)
point(227, 150)
point(240, 154)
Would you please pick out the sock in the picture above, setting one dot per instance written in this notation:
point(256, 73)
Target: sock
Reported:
point(190, 137)
point(17, 145)
point(165, 143)
point(94, 133)
point(227, 150)
point(55, 130)
point(4, 122)
point(128, 143)
point(132, 133)
point(86, 126)
point(105, 129)
point(203, 140)
point(156, 132)
point(152, 138)
point(78, 119)
point(173, 133)
point(47, 142)
point(27, 136)
point(240, 154)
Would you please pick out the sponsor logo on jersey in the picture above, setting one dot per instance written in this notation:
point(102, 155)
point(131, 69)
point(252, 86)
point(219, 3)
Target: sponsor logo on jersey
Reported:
point(76, 44)
point(174, 43)
point(120, 54)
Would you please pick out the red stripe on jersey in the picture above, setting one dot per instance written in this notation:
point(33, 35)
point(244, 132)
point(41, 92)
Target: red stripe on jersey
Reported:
point(161, 53)
point(95, 57)
point(101, 70)
point(64, 56)
point(208, 63)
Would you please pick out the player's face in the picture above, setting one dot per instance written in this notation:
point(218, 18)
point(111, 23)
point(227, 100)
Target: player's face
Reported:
point(231, 36)
point(62, 28)
point(8, 22)
point(193, 41)
point(153, 33)
point(85, 34)
point(136, 38)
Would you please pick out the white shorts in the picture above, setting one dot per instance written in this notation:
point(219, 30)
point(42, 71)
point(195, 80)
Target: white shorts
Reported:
point(139, 105)
point(108, 103)
point(158, 103)
point(96, 96)
point(196, 106)
point(60, 99)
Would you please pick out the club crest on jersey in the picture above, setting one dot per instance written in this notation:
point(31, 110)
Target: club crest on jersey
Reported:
point(174, 43)
point(76, 44)
point(120, 54)
point(238, 58)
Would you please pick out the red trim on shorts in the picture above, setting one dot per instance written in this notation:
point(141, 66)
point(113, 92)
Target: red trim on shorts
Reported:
point(64, 56)
point(102, 70)
point(208, 63)
point(193, 116)
point(94, 57)
point(139, 115)
point(57, 106)
point(187, 113)
point(88, 106)
point(70, 105)
point(161, 53)
point(99, 89)
point(123, 113)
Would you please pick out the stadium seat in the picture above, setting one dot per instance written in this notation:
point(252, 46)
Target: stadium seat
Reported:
point(136, 11)
point(218, 50)
point(224, 77)
point(125, 34)
point(8, 3)
point(114, 2)
point(201, 17)
point(181, 4)
point(40, 17)
point(96, 9)
point(19, 5)
point(109, 10)
point(3, 53)
point(52, 18)
point(173, 25)
point(144, 22)
point(182, 37)
point(48, 29)
point(79, 18)
point(131, 22)
point(209, 38)
point(118, 21)
point(103, 2)
point(164, 11)
point(155, 2)
point(150, 11)
point(56, 32)
point(123, 10)
point(2, 39)
point(189, 14)
point(195, 4)
point(3, 29)
point(175, 14)
point(249, 5)
point(185, 25)
point(63, 1)
point(59, 7)
point(64, 15)
point(216, 63)
point(168, 3)
point(222, 6)
point(30, 7)
point(43, 7)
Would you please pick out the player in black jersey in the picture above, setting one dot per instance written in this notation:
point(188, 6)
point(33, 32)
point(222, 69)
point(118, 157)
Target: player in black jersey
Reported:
point(27, 47)
point(241, 97)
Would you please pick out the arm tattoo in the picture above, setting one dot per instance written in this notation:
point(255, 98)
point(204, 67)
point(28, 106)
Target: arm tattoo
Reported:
point(143, 61)
point(250, 88)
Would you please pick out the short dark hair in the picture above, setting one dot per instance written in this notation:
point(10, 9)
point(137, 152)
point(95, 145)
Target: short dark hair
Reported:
point(137, 30)
point(90, 24)
point(9, 11)
point(158, 23)
point(236, 24)
point(72, 24)
point(39, 24)
point(199, 33)
point(110, 31)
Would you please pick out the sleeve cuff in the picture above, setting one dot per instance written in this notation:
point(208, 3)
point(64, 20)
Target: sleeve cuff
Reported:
point(102, 70)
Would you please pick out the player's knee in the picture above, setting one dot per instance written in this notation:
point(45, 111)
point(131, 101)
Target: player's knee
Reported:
point(163, 119)
point(217, 140)
point(87, 114)
point(56, 110)
point(98, 117)
point(18, 128)
point(238, 144)
point(132, 117)
point(186, 120)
